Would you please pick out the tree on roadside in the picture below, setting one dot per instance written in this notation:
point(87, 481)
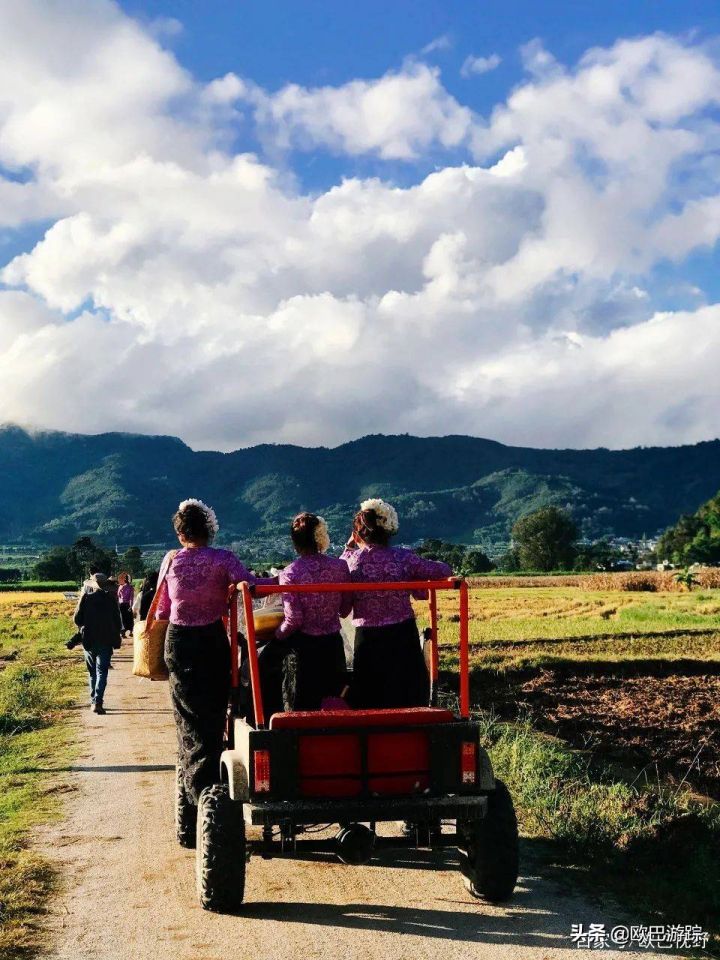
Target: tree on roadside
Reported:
point(132, 562)
point(54, 565)
point(545, 539)
point(85, 557)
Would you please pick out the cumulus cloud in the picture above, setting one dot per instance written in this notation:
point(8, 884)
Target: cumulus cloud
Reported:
point(479, 65)
point(397, 116)
point(184, 284)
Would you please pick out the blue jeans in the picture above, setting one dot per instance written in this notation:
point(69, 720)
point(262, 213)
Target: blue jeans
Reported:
point(98, 664)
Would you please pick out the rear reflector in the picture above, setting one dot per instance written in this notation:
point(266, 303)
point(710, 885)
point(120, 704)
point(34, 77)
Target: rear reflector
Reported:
point(468, 762)
point(261, 769)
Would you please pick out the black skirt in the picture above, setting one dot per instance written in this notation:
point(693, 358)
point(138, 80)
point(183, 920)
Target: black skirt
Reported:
point(126, 615)
point(298, 672)
point(389, 668)
point(198, 660)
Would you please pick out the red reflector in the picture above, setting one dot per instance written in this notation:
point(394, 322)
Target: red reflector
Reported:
point(468, 762)
point(261, 769)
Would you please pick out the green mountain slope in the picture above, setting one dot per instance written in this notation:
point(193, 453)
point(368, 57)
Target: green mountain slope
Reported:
point(695, 538)
point(124, 487)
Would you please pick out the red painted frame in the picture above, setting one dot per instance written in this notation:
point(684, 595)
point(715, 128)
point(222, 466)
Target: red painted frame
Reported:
point(248, 591)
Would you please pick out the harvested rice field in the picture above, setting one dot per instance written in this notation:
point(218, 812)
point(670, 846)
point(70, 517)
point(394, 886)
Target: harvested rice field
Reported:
point(629, 677)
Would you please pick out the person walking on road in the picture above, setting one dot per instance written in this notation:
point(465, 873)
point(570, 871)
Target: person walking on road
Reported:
point(98, 618)
point(126, 595)
point(145, 595)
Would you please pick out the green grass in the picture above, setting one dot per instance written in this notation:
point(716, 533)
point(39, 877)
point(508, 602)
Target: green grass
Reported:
point(658, 847)
point(35, 737)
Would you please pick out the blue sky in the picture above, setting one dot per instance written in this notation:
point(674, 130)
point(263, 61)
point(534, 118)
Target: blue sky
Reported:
point(317, 42)
point(309, 221)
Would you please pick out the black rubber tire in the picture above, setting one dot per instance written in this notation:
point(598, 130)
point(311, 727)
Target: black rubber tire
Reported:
point(220, 851)
point(185, 814)
point(490, 849)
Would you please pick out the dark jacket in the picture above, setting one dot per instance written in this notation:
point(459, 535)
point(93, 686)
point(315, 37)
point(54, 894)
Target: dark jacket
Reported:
point(98, 616)
point(146, 598)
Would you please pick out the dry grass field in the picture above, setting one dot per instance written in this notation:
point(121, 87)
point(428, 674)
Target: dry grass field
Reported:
point(516, 626)
point(24, 604)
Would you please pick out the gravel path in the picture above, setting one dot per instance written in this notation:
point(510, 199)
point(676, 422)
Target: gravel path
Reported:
point(127, 890)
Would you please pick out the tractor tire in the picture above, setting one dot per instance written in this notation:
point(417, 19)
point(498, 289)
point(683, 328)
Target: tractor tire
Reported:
point(490, 849)
point(185, 814)
point(220, 854)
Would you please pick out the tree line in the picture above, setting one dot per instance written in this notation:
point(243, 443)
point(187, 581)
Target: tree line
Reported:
point(695, 538)
point(543, 540)
point(84, 557)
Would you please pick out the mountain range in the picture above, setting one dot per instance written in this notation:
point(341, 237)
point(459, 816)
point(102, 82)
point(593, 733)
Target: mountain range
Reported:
point(124, 488)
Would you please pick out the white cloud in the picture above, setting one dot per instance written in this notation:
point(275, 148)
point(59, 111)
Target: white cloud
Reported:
point(398, 116)
point(473, 66)
point(443, 42)
point(510, 293)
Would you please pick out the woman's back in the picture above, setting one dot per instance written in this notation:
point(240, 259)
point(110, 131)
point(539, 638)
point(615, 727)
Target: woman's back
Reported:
point(195, 589)
point(374, 563)
point(314, 613)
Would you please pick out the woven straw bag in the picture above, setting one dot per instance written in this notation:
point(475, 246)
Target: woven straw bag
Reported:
point(149, 641)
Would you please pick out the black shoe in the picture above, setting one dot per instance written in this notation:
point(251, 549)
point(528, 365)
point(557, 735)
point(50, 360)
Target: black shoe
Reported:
point(99, 708)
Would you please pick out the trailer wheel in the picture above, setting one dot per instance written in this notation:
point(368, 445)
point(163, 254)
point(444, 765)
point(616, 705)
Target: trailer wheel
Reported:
point(489, 849)
point(220, 851)
point(185, 813)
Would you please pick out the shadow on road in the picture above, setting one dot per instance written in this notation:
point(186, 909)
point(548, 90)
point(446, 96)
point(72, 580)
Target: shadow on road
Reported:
point(534, 925)
point(126, 768)
point(119, 712)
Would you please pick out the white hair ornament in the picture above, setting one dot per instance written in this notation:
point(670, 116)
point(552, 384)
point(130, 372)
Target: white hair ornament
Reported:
point(321, 535)
point(210, 518)
point(385, 512)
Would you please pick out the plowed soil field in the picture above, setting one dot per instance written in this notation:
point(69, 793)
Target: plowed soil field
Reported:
point(666, 722)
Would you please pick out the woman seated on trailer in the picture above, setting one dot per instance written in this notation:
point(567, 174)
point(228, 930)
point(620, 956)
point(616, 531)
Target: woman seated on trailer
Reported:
point(389, 667)
point(307, 657)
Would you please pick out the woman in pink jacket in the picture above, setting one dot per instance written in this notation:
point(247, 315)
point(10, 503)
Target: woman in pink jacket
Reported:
point(389, 668)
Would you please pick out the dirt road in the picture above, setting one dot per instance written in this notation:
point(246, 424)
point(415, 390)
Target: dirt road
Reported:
point(128, 889)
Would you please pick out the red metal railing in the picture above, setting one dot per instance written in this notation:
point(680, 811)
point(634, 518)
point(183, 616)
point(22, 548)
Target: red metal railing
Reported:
point(247, 592)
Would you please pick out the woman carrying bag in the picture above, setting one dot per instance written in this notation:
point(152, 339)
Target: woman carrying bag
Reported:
point(193, 596)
